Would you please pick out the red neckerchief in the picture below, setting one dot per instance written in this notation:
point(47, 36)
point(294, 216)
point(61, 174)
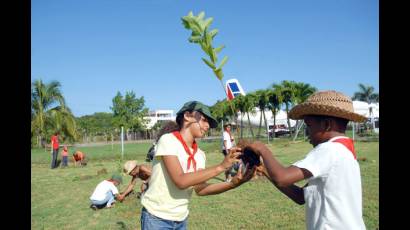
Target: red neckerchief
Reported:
point(191, 158)
point(348, 143)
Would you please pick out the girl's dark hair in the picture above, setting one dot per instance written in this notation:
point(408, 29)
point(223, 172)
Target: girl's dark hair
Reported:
point(168, 127)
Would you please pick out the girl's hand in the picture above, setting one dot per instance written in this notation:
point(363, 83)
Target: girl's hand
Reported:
point(231, 157)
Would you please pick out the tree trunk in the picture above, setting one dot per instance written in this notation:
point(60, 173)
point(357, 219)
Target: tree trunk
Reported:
point(266, 123)
point(250, 126)
point(274, 112)
point(287, 117)
point(260, 125)
point(241, 126)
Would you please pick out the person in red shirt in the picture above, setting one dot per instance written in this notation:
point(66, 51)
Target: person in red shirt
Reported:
point(54, 149)
point(79, 157)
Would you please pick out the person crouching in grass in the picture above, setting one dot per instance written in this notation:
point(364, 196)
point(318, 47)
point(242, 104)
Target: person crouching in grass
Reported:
point(106, 193)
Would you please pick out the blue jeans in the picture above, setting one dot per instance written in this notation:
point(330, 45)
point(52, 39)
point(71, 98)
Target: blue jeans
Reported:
point(65, 161)
point(107, 201)
point(151, 222)
point(54, 160)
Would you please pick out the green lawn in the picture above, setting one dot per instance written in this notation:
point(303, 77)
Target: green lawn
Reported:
point(60, 197)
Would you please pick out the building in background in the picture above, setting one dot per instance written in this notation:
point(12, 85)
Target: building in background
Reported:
point(158, 116)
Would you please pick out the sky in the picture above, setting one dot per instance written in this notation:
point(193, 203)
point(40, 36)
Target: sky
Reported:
point(97, 48)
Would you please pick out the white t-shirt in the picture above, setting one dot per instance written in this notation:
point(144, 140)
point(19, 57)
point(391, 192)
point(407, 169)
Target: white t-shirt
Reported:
point(104, 187)
point(163, 198)
point(227, 138)
point(333, 197)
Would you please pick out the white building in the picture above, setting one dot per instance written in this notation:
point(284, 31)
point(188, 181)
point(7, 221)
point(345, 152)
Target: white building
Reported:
point(159, 115)
point(281, 118)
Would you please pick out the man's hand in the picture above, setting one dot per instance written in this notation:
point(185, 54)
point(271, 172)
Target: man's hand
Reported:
point(257, 147)
point(239, 179)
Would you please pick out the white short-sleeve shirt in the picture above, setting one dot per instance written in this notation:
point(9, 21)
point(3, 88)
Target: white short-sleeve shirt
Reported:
point(333, 197)
point(104, 187)
point(227, 138)
point(163, 198)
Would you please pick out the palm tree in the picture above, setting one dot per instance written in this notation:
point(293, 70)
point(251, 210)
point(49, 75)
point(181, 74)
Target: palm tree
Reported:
point(366, 93)
point(301, 93)
point(287, 91)
point(275, 101)
point(262, 103)
point(49, 111)
point(249, 107)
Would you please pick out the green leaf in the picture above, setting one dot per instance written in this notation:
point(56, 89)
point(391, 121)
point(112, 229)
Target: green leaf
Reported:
point(217, 50)
point(224, 60)
point(218, 73)
point(195, 39)
point(210, 64)
point(200, 16)
point(204, 46)
point(211, 53)
point(185, 23)
point(213, 33)
point(208, 22)
point(190, 14)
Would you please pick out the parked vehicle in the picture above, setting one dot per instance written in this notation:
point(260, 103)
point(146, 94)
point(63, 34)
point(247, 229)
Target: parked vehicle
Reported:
point(279, 130)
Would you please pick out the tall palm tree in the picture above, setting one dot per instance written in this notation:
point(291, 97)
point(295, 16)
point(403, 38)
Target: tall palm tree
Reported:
point(275, 101)
point(287, 90)
point(49, 111)
point(367, 94)
point(301, 93)
point(262, 103)
point(249, 107)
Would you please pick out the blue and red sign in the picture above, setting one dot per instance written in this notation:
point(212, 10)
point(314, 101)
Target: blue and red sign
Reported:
point(233, 89)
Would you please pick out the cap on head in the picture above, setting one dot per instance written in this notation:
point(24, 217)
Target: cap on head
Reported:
point(198, 106)
point(328, 103)
point(117, 178)
point(129, 166)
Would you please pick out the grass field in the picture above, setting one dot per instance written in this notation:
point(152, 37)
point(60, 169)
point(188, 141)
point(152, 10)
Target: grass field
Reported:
point(60, 197)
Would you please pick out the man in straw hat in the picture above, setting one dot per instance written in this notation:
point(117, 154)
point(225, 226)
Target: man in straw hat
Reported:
point(333, 194)
point(136, 171)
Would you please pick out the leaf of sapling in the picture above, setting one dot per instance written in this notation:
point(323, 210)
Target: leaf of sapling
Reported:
point(213, 33)
point(211, 54)
point(201, 15)
point(195, 39)
point(210, 64)
point(217, 50)
point(224, 60)
point(218, 73)
point(208, 22)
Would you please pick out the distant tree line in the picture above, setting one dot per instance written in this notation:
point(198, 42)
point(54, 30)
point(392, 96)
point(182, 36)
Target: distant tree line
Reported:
point(49, 112)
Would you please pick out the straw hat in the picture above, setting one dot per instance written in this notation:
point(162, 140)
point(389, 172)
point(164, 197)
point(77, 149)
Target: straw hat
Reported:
point(329, 103)
point(129, 166)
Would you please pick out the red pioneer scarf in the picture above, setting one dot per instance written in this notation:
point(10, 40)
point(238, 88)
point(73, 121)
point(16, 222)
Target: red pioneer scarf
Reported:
point(191, 158)
point(348, 143)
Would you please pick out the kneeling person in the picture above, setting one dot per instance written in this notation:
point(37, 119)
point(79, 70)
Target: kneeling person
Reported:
point(105, 193)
